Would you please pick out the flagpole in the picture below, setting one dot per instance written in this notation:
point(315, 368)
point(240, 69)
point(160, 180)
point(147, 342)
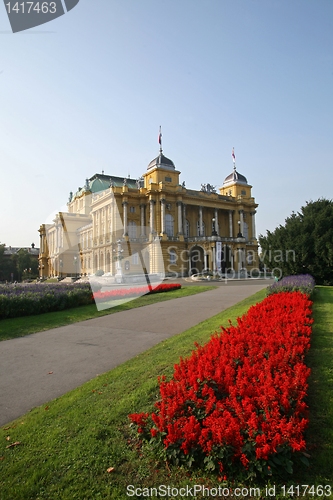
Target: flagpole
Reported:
point(160, 139)
point(233, 158)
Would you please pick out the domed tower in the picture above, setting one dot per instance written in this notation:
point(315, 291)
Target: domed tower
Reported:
point(235, 184)
point(161, 170)
point(161, 161)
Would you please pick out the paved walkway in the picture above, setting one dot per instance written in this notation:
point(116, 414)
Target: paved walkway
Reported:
point(43, 366)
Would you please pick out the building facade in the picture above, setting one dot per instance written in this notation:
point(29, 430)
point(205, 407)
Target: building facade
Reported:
point(153, 223)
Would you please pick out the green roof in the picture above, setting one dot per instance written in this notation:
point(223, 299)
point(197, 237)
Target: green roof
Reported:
point(101, 182)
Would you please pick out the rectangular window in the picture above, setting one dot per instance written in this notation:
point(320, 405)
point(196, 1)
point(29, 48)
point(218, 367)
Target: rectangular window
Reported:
point(135, 259)
point(172, 257)
point(169, 225)
point(131, 229)
point(187, 229)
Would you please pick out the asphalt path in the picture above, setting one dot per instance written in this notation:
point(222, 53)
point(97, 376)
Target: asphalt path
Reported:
point(43, 366)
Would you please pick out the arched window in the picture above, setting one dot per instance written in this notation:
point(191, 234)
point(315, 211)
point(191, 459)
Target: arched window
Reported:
point(169, 224)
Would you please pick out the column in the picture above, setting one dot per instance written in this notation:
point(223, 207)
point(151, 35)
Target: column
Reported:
point(104, 223)
point(205, 260)
point(163, 216)
point(125, 203)
point(230, 224)
point(200, 222)
point(111, 221)
point(241, 258)
point(96, 224)
point(180, 220)
point(253, 224)
point(217, 229)
point(142, 219)
point(56, 250)
point(151, 222)
point(184, 220)
point(99, 214)
point(241, 218)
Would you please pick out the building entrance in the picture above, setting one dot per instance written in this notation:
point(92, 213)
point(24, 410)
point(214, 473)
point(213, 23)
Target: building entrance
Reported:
point(197, 260)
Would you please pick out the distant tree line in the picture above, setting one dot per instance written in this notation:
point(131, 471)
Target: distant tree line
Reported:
point(306, 239)
point(18, 266)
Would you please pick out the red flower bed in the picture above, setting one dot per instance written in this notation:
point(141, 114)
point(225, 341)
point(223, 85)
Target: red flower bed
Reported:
point(120, 293)
point(238, 401)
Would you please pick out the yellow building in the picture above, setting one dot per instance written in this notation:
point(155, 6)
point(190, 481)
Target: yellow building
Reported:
point(153, 223)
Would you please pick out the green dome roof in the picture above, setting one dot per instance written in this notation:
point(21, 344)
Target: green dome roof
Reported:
point(99, 184)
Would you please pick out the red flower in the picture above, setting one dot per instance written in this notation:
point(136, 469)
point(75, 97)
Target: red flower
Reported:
point(246, 386)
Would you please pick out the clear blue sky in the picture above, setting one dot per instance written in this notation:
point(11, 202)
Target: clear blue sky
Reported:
point(88, 91)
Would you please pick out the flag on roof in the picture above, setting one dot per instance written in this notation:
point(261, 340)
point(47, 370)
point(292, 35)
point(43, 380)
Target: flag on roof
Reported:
point(160, 137)
point(233, 155)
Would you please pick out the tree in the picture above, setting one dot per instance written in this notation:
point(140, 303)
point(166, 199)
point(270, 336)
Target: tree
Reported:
point(7, 267)
point(27, 266)
point(2, 263)
point(304, 244)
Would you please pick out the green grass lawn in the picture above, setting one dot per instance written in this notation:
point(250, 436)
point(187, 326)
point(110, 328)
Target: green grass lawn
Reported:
point(320, 359)
point(66, 446)
point(18, 327)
